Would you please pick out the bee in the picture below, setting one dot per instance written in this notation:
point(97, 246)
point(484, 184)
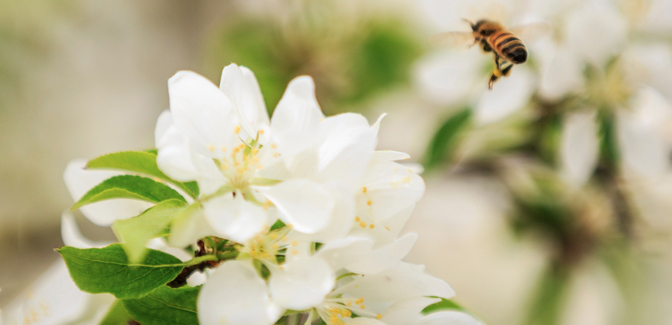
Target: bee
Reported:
point(506, 45)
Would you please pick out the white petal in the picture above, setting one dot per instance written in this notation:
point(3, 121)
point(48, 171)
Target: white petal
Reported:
point(508, 95)
point(339, 224)
point(579, 147)
point(52, 299)
point(596, 32)
point(164, 121)
point(363, 321)
point(561, 74)
point(376, 126)
point(188, 228)
point(295, 119)
point(202, 113)
point(384, 257)
point(345, 251)
point(407, 311)
point(235, 218)
point(449, 78)
point(383, 289)
point(302, 284)
point(234, 294)
point(346, 149)
point(175, 156)
point(241, 86)
point(305, 205)
point(73, 237)
point(449, 317)
point(79, 181)
point(390, 188)
point(390, 155)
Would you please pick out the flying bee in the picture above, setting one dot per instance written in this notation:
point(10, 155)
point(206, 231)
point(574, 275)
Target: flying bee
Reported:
point(506, 45)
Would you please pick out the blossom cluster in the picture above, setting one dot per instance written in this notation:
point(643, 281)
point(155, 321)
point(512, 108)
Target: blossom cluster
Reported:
point(304, 209)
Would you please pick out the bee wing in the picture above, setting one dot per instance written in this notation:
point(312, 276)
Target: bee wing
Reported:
point(456, 40)
point(530, 33)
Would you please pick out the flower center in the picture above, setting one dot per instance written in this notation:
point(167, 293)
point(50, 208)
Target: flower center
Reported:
point(334, 309)
point(266, 247)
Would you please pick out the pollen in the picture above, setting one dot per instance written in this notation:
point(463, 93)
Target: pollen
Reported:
point(371, 226)
point(357, 219)
point(236, 130)
point(364, 189)
point(223, 148)
point(362, 224)
point(295, 243)
point(276, 155)
point(362, 306)
point(359, 301)
point(388, 228)
point(261, 131)
point(211, 148)
point(379, 316)
point(368, 202)
point(274, 146)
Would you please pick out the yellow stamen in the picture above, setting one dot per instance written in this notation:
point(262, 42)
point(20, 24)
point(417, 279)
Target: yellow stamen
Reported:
point(362, 224)
point(364, 189)
point(368, 202)
point(236, 130)
point(371, 226)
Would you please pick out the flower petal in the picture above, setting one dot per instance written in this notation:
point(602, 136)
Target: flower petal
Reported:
point(73, 237)
point(164, 121)
point(404, 281)
point(235, 294)
point(235, 218)
point(579, 147)
point(509, 95)
point(241, 86)
point(345, 251)
point(187, 229)
point(202, 113)
point(347, 145)
point(79, 180)
point(305, 205)
point(388, 188)
point(384, 257)
point(302, 283)
point(390, 155)
point(449, 317)
point(407, 311)
point(52, 299)
point(296, 118)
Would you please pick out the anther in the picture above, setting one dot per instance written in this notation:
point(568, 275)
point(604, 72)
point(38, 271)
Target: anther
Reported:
point(362, 224)
point(236, 130)
point(357, 219)
point(364, 189)
point(211, 147)
point(368, 202)
point(371, 226)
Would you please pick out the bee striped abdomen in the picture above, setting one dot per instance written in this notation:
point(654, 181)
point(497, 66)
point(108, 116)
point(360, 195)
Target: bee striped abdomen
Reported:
point(509, 46)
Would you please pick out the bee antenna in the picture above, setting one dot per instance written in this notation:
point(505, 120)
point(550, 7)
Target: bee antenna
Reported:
point(471, 23)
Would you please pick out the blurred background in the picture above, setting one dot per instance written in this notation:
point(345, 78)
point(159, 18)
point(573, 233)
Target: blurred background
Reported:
point(547, 198)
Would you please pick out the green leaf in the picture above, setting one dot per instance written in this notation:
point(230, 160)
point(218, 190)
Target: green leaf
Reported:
point(444, 304)
point(128, 187)
point(99, 270)
point(609, 152)
point(117, 315)
point(165, 306)
point(143, 162)
point(135, 232)
point(444, 141)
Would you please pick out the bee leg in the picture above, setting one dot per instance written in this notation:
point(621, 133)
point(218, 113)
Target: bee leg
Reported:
point(486, 46)
point(495, 75)
point(507, 71)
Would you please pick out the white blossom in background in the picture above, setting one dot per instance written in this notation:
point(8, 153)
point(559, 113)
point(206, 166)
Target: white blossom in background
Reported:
point(636, 87)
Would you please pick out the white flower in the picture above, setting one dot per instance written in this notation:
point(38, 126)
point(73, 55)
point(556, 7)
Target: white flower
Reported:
point(315, 161)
